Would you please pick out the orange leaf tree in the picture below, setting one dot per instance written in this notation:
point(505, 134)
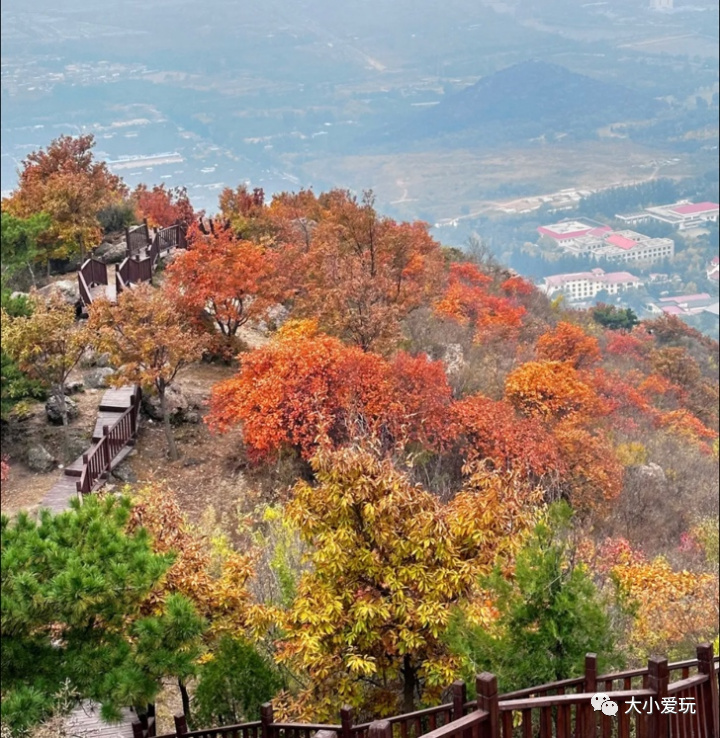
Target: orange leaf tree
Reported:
point(568, 342)
point(673, 609)
point(469, 301)
point(149, 340)
point(362, 274)
point(229, 279)
point(65, 182)
point(551, 390)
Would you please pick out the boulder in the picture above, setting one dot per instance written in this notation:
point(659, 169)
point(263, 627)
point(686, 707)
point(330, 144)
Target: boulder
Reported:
point(454, 358)
point(650, 472)
point(181, 407)
point(98, 378)
point(67, 289)
point(53, 409)
point(72, 388)
point(111, 252)
point(39, 459)
point(92, 359)
point(124, 473)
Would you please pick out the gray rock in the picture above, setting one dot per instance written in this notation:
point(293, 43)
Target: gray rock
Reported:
point(53, 409)
point(98, 378)
point(124, 473)
point(78, 445)
point(67, 289)
point(92, 359)
point(454, 358)
point(72, 388)
point(652, 472)
point(39, 459)
point(111, 253)
point(181, 407)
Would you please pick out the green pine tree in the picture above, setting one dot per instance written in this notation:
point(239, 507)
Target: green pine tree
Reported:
point(551, 615)
point(73, 587)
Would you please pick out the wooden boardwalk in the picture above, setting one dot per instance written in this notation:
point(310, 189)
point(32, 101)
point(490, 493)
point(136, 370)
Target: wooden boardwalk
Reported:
point(115, 405)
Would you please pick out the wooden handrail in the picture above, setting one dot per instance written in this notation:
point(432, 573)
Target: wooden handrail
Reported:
point(689, 683)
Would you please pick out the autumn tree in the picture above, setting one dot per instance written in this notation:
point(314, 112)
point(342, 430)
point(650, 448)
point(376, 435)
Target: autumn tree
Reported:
point(163, 207)
point(15, 385)
point(362, 274)
point(149, 340)
point(245, 213)
point(231, 280)
point(493, 431)
point(469, 300)
point(673, 609)
point(568, 342)
point(551, 390)
point(65, 182)
point(389, 562)
point(213, 576)
point(304, 391)
point(47, 344)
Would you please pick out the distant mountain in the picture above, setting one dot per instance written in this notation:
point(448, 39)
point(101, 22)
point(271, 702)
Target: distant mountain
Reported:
point(526, 100)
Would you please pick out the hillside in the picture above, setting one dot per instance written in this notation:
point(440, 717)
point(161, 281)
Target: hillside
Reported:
point(525, 101)
point(366, 464)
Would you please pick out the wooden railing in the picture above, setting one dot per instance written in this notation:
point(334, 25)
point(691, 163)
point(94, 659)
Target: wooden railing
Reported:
point(93, 272)
point(98, 460)
point(561, 709)
point(133, 271)
point(137, 239)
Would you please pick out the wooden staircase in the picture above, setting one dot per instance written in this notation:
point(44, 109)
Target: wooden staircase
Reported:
point(112, 440)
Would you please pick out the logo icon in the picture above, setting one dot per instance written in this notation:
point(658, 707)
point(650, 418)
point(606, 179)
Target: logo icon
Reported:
point(602, 702)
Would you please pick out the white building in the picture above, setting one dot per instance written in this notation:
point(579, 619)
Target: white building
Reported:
point(586, 285)
point(629, 247)
point(567, 232)
point(684, 214)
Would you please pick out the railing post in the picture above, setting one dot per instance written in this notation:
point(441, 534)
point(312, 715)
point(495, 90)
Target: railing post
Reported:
point(459, 698)
point(137, 729)
point(586, 715)
point(346, 721)
point(709, 690)
point(658, 677)
point(487, 692)
point(380, 729)
point(266, 720)
point(181, 727)
point(106, 455)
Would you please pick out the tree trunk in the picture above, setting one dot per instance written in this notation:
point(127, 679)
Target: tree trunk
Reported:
point(60, 394)
point(172, 447)
point(409, 683)
point(185, 697)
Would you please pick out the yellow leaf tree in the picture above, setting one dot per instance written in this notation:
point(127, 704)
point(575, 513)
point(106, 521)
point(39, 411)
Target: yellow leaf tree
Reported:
point(149, 340)
point(388, 563)
point(47, 344)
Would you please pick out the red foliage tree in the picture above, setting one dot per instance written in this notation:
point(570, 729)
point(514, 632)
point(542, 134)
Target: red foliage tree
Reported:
point(491, 430)
point(468, 301)
point(358, 274)
point(163, 207)
point(305, 391)
point(231, 280)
